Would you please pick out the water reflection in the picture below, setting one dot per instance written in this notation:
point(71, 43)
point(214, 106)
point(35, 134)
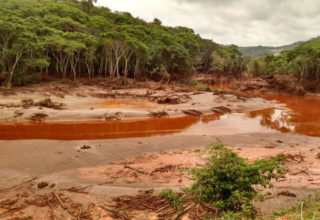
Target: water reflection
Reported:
point(301, 115)
point(277, 119)
point(94, 129)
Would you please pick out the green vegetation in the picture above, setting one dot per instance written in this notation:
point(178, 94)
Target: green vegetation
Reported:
point(307, 209)
point(195, 83)
point(174, 199)
point(41, 39)
point(227, 182)
point(303, 61)
point(27, 100)
point(256, 51)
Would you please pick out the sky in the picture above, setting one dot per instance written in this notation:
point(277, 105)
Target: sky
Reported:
point(239, 22)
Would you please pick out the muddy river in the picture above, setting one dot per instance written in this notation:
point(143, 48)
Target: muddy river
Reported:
point(299, 115)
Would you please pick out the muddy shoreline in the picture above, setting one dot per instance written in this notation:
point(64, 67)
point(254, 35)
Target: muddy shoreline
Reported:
point(98, 104)
point(86, 174)
point(113, 168)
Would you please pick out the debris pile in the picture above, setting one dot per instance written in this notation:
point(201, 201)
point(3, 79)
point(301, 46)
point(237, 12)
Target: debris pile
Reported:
point(192, 112)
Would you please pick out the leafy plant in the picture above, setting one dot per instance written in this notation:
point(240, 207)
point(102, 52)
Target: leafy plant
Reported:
point(27, 100)
point(227, 182)
point(195, 83)
point(174, 199)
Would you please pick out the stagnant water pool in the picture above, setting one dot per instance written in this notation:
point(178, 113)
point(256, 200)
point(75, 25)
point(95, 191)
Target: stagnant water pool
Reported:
point(301, 115)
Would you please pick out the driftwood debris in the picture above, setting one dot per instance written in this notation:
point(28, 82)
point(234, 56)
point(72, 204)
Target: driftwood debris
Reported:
point(192, 112)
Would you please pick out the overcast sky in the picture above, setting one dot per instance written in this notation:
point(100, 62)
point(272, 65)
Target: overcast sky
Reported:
point(240, 22)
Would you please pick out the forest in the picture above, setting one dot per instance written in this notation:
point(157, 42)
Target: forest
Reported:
point(302, 61)
point(70, 39)
point(42, 39)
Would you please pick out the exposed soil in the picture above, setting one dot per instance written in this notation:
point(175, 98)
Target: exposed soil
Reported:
point(273, 83)
point(105, 177)
point(76, 101)
point(121, 178)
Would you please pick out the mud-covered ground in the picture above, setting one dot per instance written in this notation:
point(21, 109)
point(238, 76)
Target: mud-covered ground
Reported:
point(87, 178)
point(78, 101)
point(120, 178)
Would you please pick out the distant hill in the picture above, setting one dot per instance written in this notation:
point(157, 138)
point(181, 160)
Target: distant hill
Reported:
point(259, 50)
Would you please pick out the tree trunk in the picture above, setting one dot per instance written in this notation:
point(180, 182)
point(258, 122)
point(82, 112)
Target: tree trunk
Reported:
point(136, 68)
point(13, 68)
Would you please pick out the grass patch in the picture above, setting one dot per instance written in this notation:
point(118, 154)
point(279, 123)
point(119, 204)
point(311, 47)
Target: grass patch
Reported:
point(27, 100)
point(307, 209)
point(198, 85)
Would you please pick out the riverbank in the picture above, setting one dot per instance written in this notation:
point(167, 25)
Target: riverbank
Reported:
point(103, 169)
point(80, 102)
point(78, 172)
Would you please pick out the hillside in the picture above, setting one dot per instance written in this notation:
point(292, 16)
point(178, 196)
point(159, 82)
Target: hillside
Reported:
point(256, 51)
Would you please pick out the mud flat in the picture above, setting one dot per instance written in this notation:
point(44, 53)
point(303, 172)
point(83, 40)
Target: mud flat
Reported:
point(87, 178)
point(89, 102)
point(94, 172)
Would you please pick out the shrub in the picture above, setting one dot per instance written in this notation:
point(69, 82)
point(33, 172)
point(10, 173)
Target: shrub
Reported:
point(195, 83)
point(174, 199)
point(27, 100)
point(227, 181)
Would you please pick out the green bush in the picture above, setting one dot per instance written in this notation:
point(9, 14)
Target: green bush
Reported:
point(36, 77)
point(174, 199)
point(196, 84)
point(27, 100)
point(227, 181)
point(18, 80)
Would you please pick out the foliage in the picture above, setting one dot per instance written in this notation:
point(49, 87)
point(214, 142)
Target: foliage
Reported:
point(71, 39)
point(302, 61)
point(174, 199)
point(195, 83)
point(227, 182)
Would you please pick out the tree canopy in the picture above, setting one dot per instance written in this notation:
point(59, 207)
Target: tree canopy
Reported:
point(71, 39)
point(302, 61)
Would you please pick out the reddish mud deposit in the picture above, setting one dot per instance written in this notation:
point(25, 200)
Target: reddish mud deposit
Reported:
point(90, 177)
point(300, 115)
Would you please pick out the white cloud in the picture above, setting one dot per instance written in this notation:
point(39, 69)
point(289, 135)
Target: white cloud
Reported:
point(240, 22)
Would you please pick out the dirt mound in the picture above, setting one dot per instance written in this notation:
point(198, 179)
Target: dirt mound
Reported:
point(221, 110)
point(48, 103)
point(192, 112)
point(214, 78)
point(38, 117)
point(158, 114)
point(170, 99)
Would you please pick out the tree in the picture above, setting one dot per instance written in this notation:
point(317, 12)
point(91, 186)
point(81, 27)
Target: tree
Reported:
point(74, 38)
point(156, 21)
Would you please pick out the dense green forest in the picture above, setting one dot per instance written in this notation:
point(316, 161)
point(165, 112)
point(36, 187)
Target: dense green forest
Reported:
point(302, 61)
point(43, 39)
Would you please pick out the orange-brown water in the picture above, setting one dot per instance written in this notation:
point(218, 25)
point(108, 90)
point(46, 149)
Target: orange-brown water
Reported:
point(120, 103)
point(301, 115)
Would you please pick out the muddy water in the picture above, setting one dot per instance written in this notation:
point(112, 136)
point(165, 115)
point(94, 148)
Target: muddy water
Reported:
point(300, 115)
point(120, 103)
